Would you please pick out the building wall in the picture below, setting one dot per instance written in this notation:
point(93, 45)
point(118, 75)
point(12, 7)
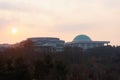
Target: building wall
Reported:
point(86, 45)
point(55, 43)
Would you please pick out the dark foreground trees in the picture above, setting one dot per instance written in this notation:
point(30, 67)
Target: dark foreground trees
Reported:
point(21, 68)
point(20, 63)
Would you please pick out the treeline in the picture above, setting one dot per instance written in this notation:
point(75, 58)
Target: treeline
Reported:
point(15, 64)
point(23, 63)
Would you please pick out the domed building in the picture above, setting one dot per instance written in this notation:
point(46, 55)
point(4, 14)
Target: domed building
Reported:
point(85, 42)
point(81, 38)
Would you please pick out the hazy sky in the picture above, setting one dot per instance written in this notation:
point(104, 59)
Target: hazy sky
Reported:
point(99, 19)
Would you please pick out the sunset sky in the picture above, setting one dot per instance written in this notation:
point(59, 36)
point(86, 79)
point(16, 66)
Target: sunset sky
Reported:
point(20, 19)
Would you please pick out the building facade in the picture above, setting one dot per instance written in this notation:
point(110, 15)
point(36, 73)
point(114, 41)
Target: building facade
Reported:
point(44, 43)
point(85, 42)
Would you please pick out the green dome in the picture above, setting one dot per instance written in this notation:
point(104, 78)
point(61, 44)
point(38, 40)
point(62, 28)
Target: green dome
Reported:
point(81, 38)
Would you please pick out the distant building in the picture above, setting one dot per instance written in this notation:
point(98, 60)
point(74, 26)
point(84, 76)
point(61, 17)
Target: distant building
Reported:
point(47, 43)
point(85, 42)
point(4, 46)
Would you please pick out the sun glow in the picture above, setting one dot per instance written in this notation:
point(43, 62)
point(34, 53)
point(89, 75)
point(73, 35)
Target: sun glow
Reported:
point(14, 30)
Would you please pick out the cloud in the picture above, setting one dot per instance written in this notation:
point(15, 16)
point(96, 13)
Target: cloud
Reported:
point(9, 6)
point(3, 22)
point(112, 3)
point(24, 8)
point(74, 27)
point(7, 22)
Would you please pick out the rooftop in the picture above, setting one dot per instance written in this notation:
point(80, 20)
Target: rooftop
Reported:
point(81, 38)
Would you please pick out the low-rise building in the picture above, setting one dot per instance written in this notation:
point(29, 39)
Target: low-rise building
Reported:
point(4, 46)
point(43, 43)
point(85, 42)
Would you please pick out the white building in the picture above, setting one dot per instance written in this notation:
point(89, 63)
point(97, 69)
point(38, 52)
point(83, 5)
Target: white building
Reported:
point(85, 42)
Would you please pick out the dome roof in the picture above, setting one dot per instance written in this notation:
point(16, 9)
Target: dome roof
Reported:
point(81, 38)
